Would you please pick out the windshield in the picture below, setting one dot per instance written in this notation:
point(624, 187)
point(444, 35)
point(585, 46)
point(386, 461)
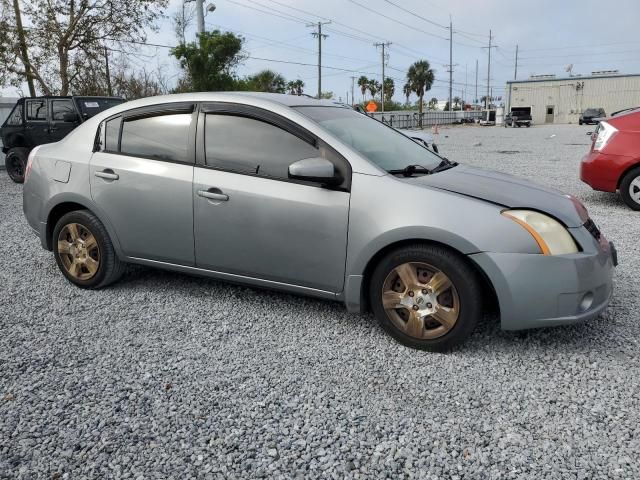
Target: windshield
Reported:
point(591, 111)
point(382, 145)
point(90, 106)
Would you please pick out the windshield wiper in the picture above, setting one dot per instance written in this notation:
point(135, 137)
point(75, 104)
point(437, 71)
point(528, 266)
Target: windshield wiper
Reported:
point(445, 164)
point(410, 170)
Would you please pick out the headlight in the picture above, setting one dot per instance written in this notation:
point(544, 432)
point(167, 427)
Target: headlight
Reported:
point(604, 133)
point(550, 235)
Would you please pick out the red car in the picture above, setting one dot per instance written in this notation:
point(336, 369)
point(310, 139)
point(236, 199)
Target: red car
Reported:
point(613, 163)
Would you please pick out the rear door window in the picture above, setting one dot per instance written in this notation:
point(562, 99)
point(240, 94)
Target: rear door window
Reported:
point(36, 110)
point(158, 137)
point(59, 108)
point(112, 134)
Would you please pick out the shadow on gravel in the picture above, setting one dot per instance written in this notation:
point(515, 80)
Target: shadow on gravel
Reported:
point(594, 336)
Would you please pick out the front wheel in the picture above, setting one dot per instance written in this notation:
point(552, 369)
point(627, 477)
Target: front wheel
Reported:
point(630, 189)
point(84, 252)
point(16, 163)
point(426, 297)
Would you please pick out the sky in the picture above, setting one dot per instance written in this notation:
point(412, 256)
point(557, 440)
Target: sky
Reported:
point(591, 35)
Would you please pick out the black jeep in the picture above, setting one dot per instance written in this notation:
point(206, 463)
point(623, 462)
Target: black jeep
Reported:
point(34, 121)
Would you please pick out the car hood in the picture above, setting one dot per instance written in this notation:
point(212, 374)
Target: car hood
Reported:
point(506, 190)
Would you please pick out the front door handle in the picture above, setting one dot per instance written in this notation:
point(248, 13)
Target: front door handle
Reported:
point(213, 194)
point(107, 174)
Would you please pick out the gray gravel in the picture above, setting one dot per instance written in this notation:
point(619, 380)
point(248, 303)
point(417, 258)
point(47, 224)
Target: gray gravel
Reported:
point(169, 376)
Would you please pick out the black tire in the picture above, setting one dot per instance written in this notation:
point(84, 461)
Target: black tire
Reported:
point(528, 125)
point(626, 186)
point(461, 275)
point(16, 163)
point(579, 122)
point(110, 268)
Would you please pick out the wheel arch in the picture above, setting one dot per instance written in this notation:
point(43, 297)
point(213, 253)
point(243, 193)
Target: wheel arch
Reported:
point(633, 166)
point(489, 292)
point(67, 204)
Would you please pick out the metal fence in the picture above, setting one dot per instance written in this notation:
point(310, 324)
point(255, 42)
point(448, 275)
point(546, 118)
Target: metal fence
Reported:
point(402, 119)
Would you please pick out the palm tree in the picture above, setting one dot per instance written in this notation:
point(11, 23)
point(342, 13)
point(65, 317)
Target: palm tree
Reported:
point(407, 91)
point(433, 103)
point(267, 81)
point(420, 76)
point(374, 87)
point(389, 89)
point(363, 83)
point(456, 102)
point(295, 87)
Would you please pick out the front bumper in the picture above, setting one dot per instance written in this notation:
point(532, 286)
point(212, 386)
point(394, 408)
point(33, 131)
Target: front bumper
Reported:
point(539, 291)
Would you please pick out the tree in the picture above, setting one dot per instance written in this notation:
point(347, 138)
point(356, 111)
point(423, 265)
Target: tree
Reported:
point(363, 83)
point(456, 103)
point(267, 81)
point(406, 90)
point(389, 89)
point(420, 76)
point(210, 63)
point(66, 38)
point(326, 95)
point(295, 87)
point(182, 19)
point(374, 87)
point(433, 103)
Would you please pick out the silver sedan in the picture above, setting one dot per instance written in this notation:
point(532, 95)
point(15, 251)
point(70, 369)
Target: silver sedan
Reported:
point(310, 197)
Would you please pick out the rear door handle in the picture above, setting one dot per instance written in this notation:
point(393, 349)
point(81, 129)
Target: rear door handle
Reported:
point(107, 174)
point(216, 194)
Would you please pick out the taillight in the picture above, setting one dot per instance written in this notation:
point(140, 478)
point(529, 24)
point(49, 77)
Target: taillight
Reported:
point(603, 135)
point(32, 155)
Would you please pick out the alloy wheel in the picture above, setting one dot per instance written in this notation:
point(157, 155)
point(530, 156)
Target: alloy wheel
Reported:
point(420, 300)
point(78, 250)
point(634, 190)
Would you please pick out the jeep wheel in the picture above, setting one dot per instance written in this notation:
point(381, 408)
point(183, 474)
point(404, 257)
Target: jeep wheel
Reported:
point(16, 163)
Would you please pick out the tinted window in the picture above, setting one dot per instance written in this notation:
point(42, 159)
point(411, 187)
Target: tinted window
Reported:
point(59, 108)
point(111, 134)
point(36, 110)
point(162, 137)
point(15, 118)
point(246, 145)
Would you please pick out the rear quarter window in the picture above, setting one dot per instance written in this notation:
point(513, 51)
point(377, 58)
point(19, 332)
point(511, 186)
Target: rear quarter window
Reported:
point(15, 117)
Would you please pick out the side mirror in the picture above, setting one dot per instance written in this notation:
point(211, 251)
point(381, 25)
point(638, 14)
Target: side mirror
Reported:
point(316, 169)
point(70, 117)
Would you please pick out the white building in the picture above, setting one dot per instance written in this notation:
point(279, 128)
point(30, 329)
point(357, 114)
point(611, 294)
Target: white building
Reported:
point(562, 100)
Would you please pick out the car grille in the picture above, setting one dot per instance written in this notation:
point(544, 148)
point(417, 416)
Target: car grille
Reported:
point(593, 229)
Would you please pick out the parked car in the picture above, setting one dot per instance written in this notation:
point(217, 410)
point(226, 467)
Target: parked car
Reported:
point(39, 120)
point(518, 117)
point(591, 116)
point(613, 161)
point(311, 197)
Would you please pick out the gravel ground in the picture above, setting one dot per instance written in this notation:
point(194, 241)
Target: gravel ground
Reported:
point(169, 376)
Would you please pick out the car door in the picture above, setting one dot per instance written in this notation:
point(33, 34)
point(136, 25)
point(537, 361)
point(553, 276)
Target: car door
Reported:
point(36, 128)
point(58, 127)
point(259, 223)
point(141, 177)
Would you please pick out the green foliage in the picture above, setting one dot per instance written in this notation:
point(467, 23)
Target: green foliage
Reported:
point(326, 95)
point(389, 90)
point(295, 87)
point(266, 81)
point(420, 76)
point(211, 62)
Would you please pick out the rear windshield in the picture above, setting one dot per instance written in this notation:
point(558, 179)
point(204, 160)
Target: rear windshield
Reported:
point(592, 111)
point(90, 106)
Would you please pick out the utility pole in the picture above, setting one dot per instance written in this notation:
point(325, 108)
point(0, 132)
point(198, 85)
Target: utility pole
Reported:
point(475, 99)
point(320, 36)
point(23, 49)
point(515, 73)
point(486, 101)
point(450, 62)
point(200, 15)
point(383, 45)
point(106, 60)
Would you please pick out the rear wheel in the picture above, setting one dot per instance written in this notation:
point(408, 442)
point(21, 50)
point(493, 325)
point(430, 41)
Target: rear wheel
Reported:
point(426, 297)
point(630, 189)
point(84, 252)
point(16, 163)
